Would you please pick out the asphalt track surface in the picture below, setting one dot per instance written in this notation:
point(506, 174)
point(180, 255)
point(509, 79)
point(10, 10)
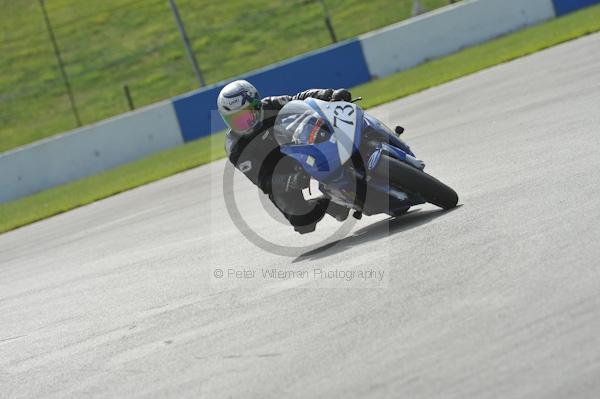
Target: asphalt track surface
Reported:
point(498, 298)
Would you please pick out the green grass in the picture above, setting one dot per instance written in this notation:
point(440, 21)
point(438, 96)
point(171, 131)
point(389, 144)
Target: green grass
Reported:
point(109, 43)
point(84, 191)
point(71, 195)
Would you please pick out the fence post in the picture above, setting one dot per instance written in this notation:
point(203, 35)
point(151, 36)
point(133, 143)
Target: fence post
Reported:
point(417, 8)
point(61, 65)
point(128, 96)
point(186, 43)
point(328, 21)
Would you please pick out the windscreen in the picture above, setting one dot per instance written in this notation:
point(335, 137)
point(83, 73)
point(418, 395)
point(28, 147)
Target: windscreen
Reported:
point(298, 123)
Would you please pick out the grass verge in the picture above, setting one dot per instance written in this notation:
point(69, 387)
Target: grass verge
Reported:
point(108, 43)
point(87, 190)
point(71, 195)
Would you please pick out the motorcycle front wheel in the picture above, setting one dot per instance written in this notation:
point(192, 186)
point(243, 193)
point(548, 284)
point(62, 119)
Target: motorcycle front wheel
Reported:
point(407, 178)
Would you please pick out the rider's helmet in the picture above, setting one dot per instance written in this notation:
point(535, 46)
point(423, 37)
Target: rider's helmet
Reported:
point(240, 107)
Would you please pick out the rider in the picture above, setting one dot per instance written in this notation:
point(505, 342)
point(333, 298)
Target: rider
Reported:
point(251, 147)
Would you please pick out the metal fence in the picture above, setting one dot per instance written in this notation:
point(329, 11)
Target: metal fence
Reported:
point(117, 54)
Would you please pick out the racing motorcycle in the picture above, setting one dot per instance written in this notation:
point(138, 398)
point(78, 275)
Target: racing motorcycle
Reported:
point(355, 160)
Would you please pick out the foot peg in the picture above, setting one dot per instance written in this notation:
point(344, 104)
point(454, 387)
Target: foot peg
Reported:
point(357, 215)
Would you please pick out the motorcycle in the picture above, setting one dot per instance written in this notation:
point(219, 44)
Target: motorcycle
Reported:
point(357, 162)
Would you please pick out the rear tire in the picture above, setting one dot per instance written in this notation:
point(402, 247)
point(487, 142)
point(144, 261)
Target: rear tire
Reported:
point(407, 178)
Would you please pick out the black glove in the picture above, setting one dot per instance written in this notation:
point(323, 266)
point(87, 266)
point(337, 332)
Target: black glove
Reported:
point(341, 95)
point(325, 94)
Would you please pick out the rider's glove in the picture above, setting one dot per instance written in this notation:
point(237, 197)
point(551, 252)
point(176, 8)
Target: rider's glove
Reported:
point(341, 95)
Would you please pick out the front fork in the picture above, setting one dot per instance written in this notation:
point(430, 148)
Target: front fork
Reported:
point(394, 152)
point(378, 139)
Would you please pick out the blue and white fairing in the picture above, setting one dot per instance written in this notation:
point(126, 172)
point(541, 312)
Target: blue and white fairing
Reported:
point(322, 136)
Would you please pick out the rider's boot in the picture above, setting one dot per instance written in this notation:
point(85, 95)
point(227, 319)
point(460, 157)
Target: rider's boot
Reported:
point(339, 212)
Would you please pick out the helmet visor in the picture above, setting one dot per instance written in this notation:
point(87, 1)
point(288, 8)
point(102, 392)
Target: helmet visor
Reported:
point(242, 121)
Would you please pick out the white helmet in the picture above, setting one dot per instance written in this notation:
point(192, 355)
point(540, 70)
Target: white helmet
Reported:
point(240, 107)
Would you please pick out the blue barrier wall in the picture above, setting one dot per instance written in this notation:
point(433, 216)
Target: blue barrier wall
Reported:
point(341, 65)
point(566, 6)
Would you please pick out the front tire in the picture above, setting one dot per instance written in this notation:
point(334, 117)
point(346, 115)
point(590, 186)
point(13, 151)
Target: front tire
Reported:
point(407, 178)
